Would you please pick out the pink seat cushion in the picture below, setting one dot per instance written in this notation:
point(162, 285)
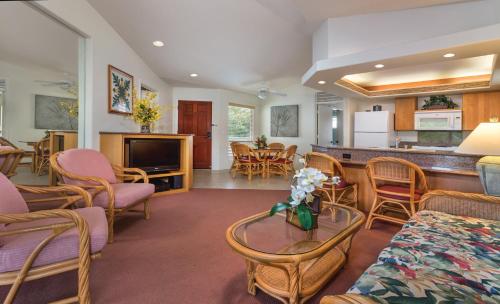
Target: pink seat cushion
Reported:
point(85, 162)
point(15, 249)
point(399, 189)
point(126, 194)
point(11, 200)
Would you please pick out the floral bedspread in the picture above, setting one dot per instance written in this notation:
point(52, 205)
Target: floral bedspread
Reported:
point(437, 258)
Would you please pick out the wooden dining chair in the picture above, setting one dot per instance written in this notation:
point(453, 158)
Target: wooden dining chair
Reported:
point(247, 162)
point(26, 154)
point(42, 155)
point(233, 154)
point(398, 185)
point(344, 192)
point(277, 146)
point(9, 160)
point(282, 162)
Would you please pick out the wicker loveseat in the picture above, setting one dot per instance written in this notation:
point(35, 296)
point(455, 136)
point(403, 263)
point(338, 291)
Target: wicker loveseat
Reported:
point(449, 252)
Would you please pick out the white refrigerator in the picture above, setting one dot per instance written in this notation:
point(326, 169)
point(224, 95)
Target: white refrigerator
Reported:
point(373, 129)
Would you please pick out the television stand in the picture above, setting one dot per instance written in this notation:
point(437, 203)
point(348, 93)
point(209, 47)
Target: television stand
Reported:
point(114, 146)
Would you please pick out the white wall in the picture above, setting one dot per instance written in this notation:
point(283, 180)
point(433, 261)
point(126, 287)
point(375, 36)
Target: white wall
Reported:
point(19, 103)
point(296, 95)
point(105, 46)
point(220, 100)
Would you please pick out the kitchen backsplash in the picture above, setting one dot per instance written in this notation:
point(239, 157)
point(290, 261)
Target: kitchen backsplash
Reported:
point(433, 138)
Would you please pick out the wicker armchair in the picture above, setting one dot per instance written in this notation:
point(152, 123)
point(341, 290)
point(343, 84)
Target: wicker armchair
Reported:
point(343, 193)
point(9, 160)
point(398, 185)
point(451, 202)
point(247, 162)
point(92, 171)
point(282, 162)
point(46, 243)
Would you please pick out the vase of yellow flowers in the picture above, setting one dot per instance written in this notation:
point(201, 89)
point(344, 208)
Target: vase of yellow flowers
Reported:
point(146, 111)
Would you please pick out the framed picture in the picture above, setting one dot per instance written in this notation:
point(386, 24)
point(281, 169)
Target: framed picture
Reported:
point(285, 121)
point(120, 87)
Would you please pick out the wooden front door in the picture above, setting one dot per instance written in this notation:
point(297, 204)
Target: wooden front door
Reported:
point(195, 117)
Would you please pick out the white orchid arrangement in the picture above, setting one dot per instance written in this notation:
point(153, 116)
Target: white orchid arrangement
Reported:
point(306, 180)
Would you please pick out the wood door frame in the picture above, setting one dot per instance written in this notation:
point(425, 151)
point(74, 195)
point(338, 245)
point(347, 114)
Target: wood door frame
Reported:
point(185, 101)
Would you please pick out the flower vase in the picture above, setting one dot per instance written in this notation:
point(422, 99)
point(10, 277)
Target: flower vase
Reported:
point(146, 129)
point(315, 206)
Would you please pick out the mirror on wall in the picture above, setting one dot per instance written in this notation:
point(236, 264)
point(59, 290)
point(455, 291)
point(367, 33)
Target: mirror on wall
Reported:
point(330, 124)
point(39, 88)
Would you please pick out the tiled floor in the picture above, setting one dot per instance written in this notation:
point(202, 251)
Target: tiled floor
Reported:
point(223, 180)
point(25, 177)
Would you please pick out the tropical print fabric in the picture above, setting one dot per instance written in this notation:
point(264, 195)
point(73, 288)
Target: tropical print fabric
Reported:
point(437, 258)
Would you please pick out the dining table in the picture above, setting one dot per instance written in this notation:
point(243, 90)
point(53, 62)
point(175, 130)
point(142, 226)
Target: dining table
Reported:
point(266, 154)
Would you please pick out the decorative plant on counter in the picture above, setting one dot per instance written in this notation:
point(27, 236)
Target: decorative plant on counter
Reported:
point(146, 111)
point(439, 102)
point(261, 142)
point(302, 203)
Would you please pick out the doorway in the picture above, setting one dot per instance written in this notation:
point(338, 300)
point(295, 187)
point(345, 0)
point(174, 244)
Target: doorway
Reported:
point(195, 117)
point(330, 124)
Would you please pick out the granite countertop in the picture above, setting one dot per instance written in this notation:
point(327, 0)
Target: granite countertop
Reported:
point(399, 150)
point(443, 162)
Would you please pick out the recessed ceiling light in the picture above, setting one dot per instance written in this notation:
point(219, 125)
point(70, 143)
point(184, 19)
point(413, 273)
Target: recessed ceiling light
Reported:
point(379, 66)
point(449, 55)
point(321, 82)
point(193, 75)
point(158, 43)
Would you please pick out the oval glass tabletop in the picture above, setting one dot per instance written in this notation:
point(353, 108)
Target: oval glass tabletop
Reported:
point(273, 235)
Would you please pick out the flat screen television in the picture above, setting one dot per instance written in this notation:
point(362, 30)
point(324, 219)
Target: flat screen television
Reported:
point(155, 155)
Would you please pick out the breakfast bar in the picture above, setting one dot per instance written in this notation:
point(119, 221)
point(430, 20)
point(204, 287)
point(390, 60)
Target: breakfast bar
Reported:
point(443, 169)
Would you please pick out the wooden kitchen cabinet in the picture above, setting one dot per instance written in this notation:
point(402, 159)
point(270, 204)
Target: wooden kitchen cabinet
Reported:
point(479, 107)
point(405, 114)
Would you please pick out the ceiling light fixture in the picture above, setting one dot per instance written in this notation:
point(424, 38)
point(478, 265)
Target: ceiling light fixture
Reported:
point(449, 55)
point(321, 82)
point(379, 66)
point(158, 43)
point(193, 75)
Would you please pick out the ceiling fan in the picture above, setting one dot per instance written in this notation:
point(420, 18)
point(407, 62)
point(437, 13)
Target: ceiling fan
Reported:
point(264, 92)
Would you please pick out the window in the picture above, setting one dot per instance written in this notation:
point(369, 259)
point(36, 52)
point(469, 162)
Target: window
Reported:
point(240, 123)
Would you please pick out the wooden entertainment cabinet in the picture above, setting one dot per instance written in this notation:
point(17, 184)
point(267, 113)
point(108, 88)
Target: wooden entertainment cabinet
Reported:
point(113, 145)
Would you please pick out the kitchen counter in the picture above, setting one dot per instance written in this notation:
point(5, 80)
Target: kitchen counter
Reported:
point(443, 169)
point(429, 160)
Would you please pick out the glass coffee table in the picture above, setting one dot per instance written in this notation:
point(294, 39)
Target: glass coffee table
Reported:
point(291, 264)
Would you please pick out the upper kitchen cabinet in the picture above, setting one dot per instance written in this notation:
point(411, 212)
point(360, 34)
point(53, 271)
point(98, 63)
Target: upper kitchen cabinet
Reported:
point(405, 113)
point(479, 107)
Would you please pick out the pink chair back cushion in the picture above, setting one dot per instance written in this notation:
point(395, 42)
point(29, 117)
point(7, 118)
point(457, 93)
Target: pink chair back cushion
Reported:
point(3, 158)
point(85, 162)
point(16, 249)
point(11, 201)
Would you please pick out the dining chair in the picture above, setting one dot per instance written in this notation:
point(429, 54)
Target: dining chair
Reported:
point(40, 244)
point(247, 162)
point(42, 155)
point(342, 192)
point(9, 160)
point(26, 154)
point(398, 185)
point(114, 188)
point(282, 163)
point(277, 146)
point(233, 154)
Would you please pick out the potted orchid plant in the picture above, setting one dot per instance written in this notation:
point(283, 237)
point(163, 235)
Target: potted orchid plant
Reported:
point(303, 206)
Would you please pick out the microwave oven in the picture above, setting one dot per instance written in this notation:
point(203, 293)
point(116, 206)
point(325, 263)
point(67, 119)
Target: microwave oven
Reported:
point(439, 120)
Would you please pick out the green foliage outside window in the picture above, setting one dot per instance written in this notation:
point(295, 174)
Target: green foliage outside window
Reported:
point(240, 123)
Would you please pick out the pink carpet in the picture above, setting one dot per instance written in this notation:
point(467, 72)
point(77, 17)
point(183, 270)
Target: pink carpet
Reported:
point(181, 256)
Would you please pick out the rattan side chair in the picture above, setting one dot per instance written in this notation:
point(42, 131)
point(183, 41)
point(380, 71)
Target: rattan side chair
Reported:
point(282, 162)
point(344, 193)
point(247, 162)
point(45, 243)
point(398, 185)
point(277, 146)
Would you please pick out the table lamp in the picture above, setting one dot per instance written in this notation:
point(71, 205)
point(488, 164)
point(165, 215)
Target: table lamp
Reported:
point(485, 140)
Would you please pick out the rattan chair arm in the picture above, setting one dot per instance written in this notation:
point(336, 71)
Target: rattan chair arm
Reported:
point(74, 218)
point(81, 194)
point(135, 175)
point(347, 299)
point(460, 203)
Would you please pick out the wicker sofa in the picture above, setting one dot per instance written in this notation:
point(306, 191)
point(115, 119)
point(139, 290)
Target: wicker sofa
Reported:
point(449, 252)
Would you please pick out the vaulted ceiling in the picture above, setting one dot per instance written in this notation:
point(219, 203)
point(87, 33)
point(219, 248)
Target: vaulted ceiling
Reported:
point(234, 44)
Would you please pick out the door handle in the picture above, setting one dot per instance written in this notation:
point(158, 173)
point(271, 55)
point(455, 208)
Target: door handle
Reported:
point(209, 135)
